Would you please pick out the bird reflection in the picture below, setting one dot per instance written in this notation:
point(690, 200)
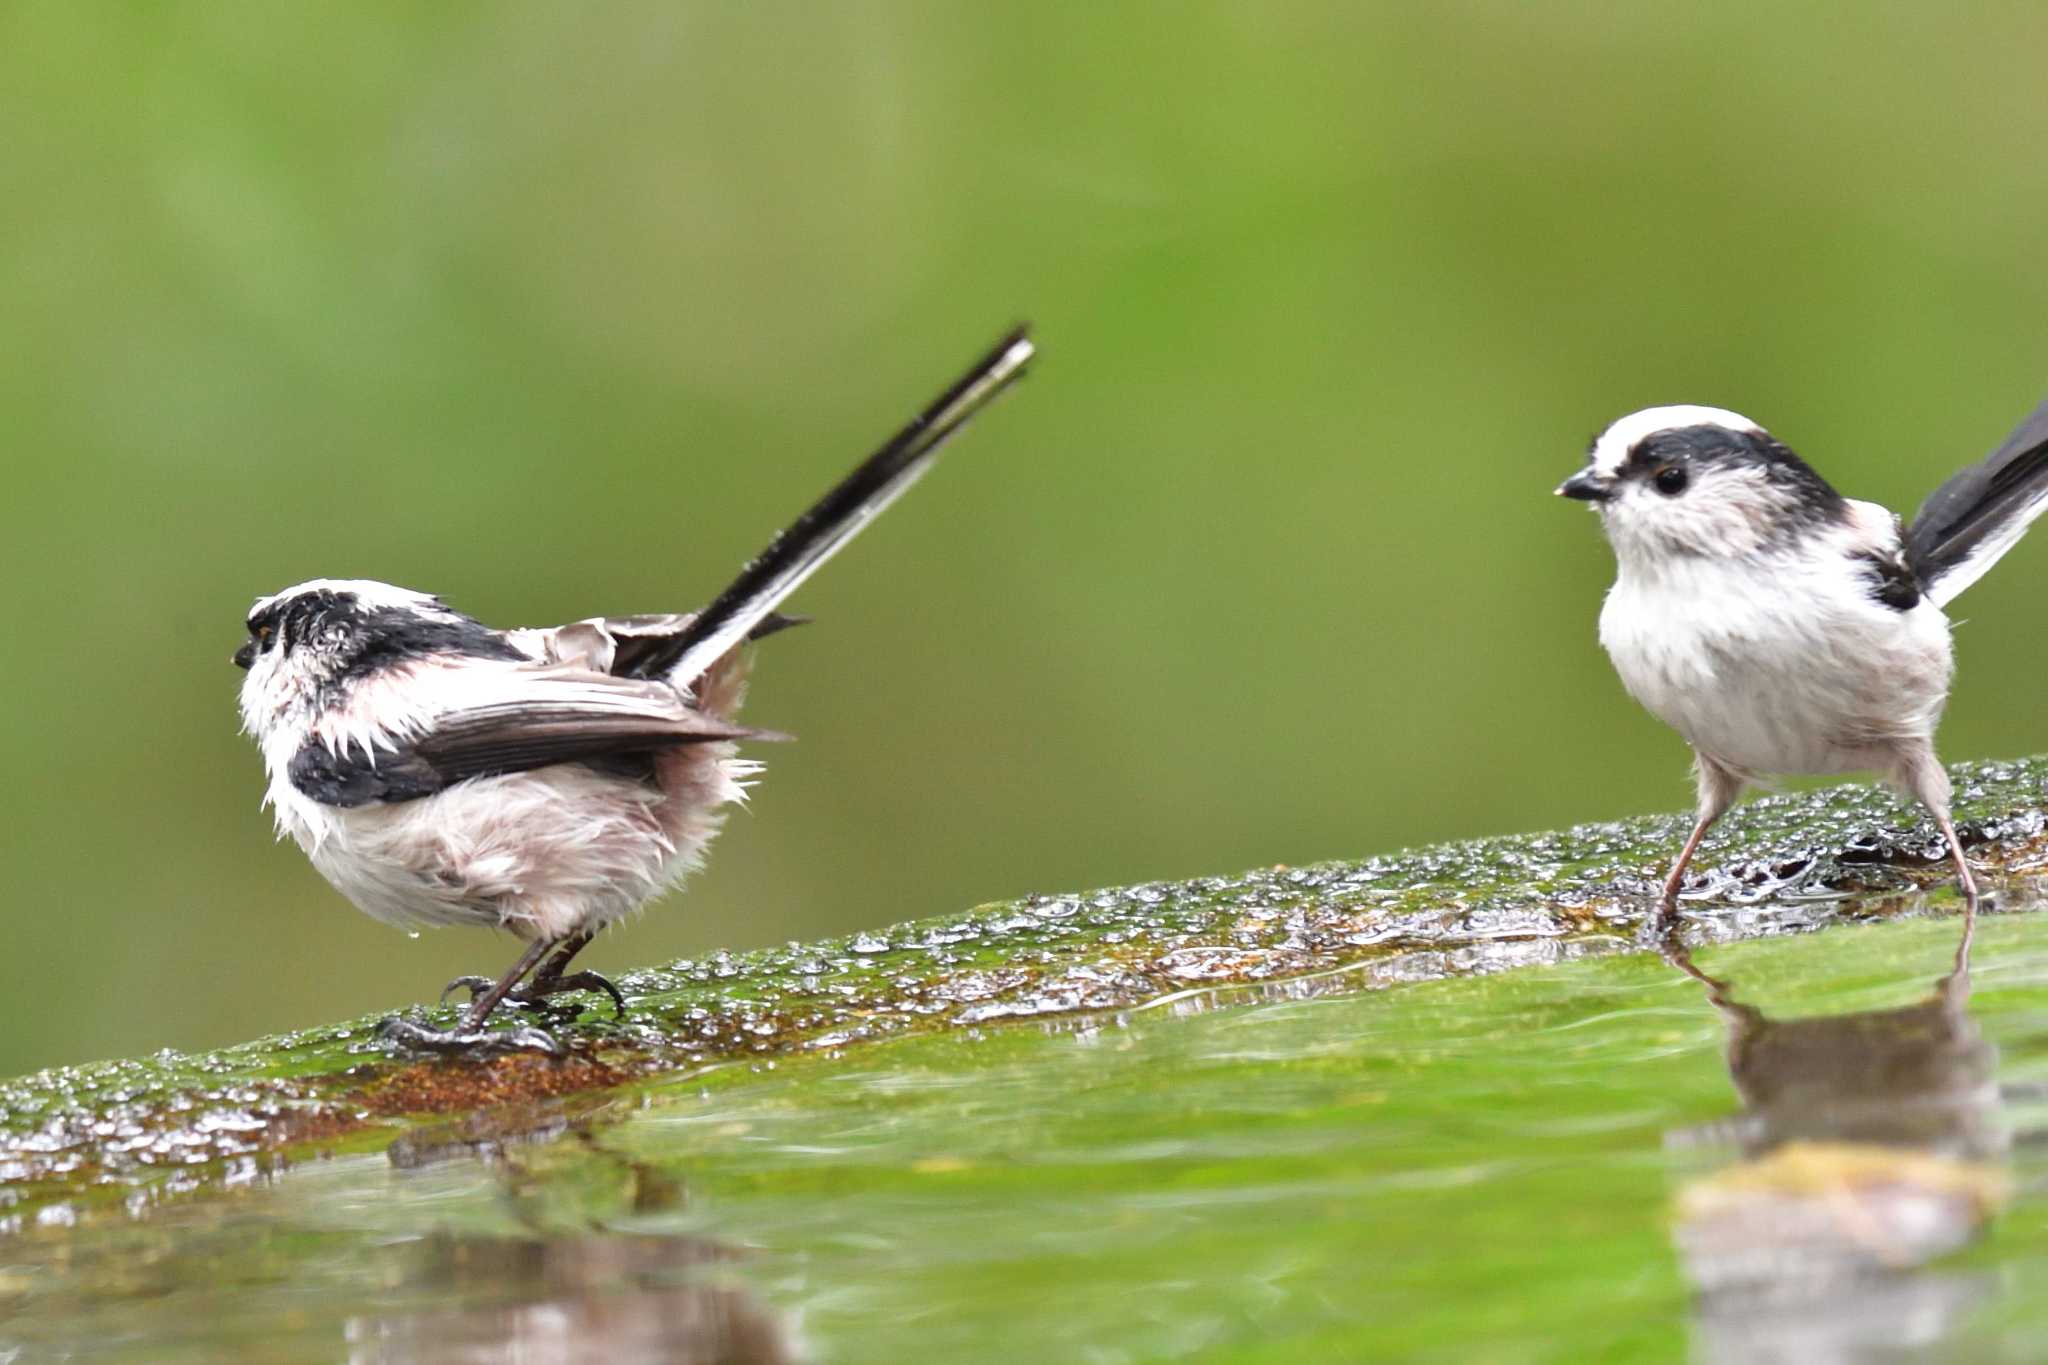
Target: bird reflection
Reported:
point(1870, 1143)
point(568, 1285)
point(1918, 1078)
point(600, 1299)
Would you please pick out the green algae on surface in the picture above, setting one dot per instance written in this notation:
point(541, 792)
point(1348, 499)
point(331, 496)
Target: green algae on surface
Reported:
point(77, 1138)
point(1485, 1168)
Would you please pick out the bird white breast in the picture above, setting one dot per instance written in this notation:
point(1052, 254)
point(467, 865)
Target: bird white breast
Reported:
point(1779, 663)
point(543, 853)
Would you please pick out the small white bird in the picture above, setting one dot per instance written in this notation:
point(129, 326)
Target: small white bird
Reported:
point(1778, 626)
point(545, 781)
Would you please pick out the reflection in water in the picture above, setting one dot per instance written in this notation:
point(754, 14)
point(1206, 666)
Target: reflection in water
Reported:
point(563, 1296)
point(565, 1301)
point(1870, 1144)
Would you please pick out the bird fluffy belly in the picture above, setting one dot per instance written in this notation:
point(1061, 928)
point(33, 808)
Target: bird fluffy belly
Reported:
point(1762, 688)
point(544, 853)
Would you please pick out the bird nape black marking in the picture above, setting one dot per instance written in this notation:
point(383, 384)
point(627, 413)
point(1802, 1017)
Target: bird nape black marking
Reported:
point(360, 641)
point(378, 638)
point(1812, 499)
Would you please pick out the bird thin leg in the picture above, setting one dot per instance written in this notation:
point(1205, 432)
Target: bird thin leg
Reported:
point(549, 980)
point(1718, 788)
point(1668, 904)
point(1921, 773)
point(1963, 877)
point(480, 1006)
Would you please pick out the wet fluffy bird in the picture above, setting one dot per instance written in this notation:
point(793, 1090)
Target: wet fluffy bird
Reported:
point(1780, 627)
point(546, 781)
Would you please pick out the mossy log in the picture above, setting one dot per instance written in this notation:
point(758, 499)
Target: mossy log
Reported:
point(93, 1137)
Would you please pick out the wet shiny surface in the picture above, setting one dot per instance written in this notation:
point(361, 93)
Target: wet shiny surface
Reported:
point(1822, 1152)
point(1870, 1144)
point(88, 1137)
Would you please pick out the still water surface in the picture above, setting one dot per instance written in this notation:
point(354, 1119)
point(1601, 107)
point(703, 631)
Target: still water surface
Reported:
point(1816, 1149)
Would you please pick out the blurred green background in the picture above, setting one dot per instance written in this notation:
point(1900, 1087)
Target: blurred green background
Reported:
point(558, 309)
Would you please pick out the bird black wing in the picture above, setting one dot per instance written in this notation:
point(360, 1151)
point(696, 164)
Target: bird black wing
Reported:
point(515, 721)
point(1968, 523)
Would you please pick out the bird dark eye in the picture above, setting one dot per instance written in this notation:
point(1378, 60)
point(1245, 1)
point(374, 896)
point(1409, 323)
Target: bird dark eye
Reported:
point(1670, 480)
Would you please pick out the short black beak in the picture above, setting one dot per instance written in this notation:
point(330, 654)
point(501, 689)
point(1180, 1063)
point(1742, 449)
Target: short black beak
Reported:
point(246, 655)
point(1586, 486)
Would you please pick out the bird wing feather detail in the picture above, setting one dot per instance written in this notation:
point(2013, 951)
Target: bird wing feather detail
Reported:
point(524, 718)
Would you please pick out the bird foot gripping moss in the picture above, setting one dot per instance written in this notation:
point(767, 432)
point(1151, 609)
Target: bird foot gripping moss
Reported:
point(469, 1044)
point(535, 994)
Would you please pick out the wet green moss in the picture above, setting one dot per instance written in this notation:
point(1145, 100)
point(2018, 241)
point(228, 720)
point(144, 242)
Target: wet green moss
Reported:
point(93, 1135)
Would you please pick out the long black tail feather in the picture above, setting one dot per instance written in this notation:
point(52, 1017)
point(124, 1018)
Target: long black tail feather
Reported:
point(836, 518)
point(1968, 523)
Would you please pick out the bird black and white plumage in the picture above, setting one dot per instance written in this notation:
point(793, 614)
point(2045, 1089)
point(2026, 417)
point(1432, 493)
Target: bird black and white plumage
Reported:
point(546, 781)
point(1778, 626)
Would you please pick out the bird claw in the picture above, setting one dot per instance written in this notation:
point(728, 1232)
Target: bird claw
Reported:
point(534, 995)
point(1662, 929)
point(539, 991)
point(475, 985)
point(468, 1043)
